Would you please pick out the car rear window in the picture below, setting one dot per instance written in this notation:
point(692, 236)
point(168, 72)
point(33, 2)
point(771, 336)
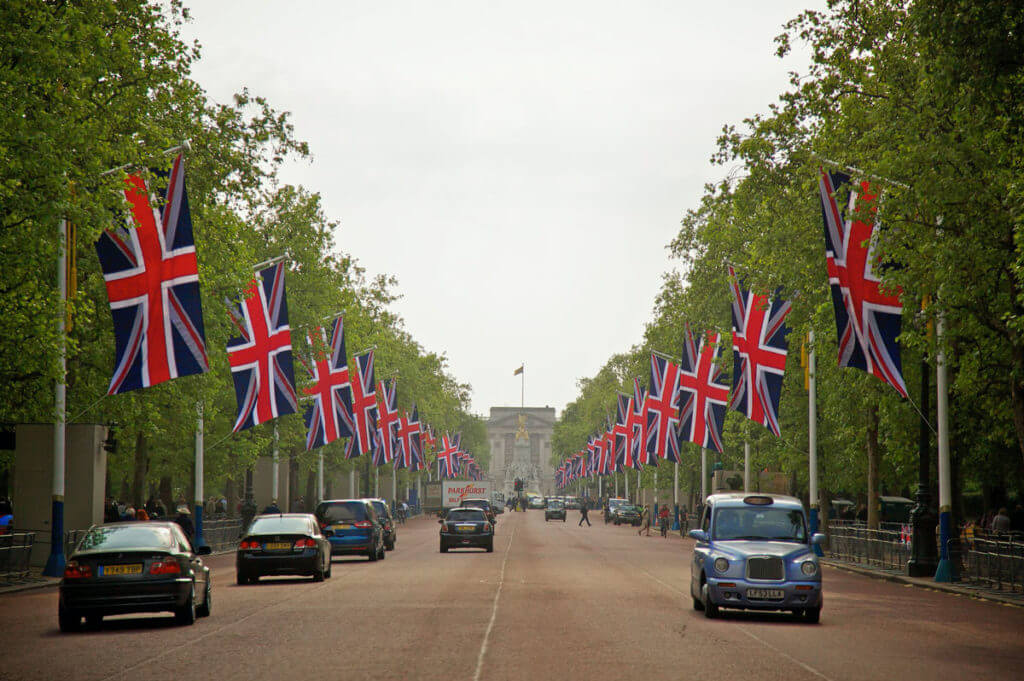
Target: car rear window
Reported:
point(343, 512)
point(282, 524)
point(465, 514)
point(381, 508)
point(118, 537)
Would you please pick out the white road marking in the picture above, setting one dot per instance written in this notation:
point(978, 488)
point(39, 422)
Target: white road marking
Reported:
point(494, 611)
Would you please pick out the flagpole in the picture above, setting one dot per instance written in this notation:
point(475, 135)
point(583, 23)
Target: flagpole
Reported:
point(275, 454)
point(703, 475)
point(184, 146)
point(200, 493)
point(320, 477)
point(812, 437)
point(944, 572)
point(675, 497)
point(746, 465)
point(55, 562)
point(522, 387)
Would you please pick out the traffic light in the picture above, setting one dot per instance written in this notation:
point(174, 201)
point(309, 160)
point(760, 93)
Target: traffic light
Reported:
point(519, 485)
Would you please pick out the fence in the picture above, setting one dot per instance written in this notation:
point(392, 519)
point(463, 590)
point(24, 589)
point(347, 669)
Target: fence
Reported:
point(222, 534)
point(994, 561)
point(15, 551)
point(854, 543)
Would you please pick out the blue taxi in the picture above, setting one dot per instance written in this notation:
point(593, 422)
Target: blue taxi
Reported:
point(754, 552)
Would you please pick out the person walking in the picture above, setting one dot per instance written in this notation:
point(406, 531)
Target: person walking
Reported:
point(184, 520)
point(663, 520)
point(645, 519)
point(583, 515)
point(271, 508)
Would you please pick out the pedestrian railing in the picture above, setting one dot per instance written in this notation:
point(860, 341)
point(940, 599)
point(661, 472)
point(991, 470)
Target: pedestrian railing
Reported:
point(15, 551)
point(882, 548)
point(222, 534)
point(994, 561)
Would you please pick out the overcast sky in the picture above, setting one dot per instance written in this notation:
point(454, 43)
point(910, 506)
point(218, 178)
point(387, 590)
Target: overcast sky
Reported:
point(519, 166)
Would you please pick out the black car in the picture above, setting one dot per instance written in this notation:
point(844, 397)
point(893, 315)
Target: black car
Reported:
point(387, 521)
point(466, 528)
point(555, 510)
point(284, 544)
point(355, 527)
point(626, 514)
point(134, 567)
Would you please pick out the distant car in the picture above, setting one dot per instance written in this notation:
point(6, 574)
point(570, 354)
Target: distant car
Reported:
point(134, 567)
point(754, 552)
point(612, 505)
point(535, 502)
point(554, 511)
point(355, 527)
point(466, 527)
point(387, 521)
point(284, 544)
point(482, 504)
point(627, 514)
point(572, 503)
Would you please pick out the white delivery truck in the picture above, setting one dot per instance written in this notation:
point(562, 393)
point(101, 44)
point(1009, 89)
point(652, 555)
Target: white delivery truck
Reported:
point(454, 491)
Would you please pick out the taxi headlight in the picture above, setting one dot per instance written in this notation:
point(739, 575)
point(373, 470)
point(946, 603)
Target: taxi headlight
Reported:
point(809, 568)
point(721, 564)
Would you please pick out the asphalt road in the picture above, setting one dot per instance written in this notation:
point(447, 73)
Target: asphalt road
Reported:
point(554, 601)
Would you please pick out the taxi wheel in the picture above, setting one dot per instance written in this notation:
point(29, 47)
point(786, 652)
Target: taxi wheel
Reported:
point(710, 609)
point(811, 615)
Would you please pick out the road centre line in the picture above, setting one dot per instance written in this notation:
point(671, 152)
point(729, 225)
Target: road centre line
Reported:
point(494, 610)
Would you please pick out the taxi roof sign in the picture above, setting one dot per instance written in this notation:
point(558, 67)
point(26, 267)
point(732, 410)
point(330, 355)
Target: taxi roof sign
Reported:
point(758, 500)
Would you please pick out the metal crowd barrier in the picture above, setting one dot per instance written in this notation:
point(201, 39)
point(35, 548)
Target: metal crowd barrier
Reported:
point(15, 551)
point(993, 560)
point(882, 548)
point(222, 534)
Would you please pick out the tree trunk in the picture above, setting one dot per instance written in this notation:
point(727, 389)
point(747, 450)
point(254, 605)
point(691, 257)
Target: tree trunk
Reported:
point(310, 491)
point(166, 493)
point(141, 468)
point(293, 479)
point(873, 460)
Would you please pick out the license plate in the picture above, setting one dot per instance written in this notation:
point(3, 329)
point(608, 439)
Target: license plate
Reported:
point(465, 528)
point(342, 527)
point(133, 569)
point(277, 546)
point(766, 594)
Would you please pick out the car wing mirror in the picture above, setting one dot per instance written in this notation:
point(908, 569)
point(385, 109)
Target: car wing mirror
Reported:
point(699, 535)
point(817, 539)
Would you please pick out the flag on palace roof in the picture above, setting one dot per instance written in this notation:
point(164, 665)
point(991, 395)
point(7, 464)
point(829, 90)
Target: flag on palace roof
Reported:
point(152, 280)
point(261, 356)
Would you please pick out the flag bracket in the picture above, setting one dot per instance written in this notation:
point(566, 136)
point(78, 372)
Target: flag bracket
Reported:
point(184, 146)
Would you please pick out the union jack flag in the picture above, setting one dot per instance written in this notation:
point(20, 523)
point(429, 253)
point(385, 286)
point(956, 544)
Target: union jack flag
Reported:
point(663, 411)
point(608, 459)
point(387, 423)
point(446, 458)
point(409, 441)
point(759, 353)
point(620, 433)
point(261, 357)
point(638, 428)
point(703, 396)
point(152, 280)
point(330, 414)
point(868, 321)
point(364, 407)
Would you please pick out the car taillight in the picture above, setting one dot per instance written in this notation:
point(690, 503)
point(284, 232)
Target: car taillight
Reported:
point(165, 567)
point(363, 524)
point(75, 570)
point(305, 544)
point(249, 545)
point(444, 527)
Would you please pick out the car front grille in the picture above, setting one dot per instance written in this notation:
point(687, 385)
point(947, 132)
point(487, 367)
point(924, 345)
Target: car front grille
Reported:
point(765, 568)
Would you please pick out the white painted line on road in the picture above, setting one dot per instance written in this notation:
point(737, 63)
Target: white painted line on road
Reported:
point(494, 611)
point(786, 655)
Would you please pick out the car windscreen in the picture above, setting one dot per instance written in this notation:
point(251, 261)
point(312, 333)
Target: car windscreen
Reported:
point(120, 537)
point(465, 515)
point(554, 504)
point(760, 523)
point(280, 525)
point(346, 512)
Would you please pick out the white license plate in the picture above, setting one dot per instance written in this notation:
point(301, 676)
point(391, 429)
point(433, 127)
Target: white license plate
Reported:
point(766, 594)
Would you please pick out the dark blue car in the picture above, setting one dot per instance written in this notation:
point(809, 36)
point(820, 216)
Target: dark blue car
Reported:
point(356, 528)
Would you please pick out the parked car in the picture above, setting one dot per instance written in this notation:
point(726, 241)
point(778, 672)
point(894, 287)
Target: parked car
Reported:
point(387, 521)
point(466, 528)
point(555, 510)
point(627, 513)
point(481, 504)
point(754, 552)
point(355, 528)
point(134, 567)
point(284, 544)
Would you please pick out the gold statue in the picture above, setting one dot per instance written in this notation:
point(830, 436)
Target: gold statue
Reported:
point(521, 432)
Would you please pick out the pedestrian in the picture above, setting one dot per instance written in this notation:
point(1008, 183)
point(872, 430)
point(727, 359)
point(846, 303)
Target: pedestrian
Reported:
point(583, 515)
point(403, 511)
point(140, 513)
point(645, 519)
point(299, 505)
point(110, 514)
point(184, 520)
point(129, 513)
point(1001, 521)
point(663, 520)
point(271, 507)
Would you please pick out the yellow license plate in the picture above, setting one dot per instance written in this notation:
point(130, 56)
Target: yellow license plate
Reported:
point(465, 528)
point(277, 546)
point(133, 569)
point(342, 527)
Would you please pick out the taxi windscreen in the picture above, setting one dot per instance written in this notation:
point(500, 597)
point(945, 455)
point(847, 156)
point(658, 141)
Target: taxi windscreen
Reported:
point(760, 523)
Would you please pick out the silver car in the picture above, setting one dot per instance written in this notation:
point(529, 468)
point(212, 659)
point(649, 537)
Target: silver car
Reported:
point(754, 552)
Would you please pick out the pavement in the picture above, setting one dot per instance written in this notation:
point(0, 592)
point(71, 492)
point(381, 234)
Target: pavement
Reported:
point(554, 601)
